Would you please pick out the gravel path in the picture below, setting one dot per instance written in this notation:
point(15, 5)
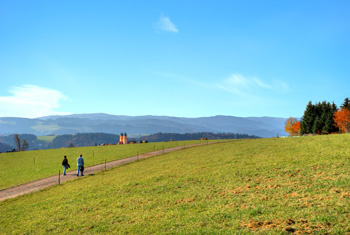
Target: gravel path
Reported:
point(53, 180)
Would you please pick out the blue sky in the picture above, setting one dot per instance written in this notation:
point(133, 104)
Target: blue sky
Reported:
point(185, 58)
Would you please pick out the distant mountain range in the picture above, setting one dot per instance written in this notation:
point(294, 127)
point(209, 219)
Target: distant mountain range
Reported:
point(137, 126)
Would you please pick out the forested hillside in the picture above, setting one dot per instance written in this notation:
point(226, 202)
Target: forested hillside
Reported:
point(194, 136)
point(141, 125)
point(5, 147)
point(83, 139)
point(93, 139)
point(32, 140)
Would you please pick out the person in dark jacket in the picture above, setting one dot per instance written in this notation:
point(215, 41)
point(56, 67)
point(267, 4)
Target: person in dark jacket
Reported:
point(65, 164)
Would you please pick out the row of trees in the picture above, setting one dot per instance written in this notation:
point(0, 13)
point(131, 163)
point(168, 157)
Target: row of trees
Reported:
point(321, 118)
point(158, 137)
point(318, 118)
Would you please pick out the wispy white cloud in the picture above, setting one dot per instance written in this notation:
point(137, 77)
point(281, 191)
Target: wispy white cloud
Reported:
point(249, 89)
point(164, 24)
point(237, 80)
point(261, 83)
point(241, 85)
point(30, 101)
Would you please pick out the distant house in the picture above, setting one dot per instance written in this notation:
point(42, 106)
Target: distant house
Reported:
point(123, 138)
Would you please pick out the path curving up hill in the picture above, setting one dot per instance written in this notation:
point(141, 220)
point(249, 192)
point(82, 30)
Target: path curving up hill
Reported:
point(53, 180)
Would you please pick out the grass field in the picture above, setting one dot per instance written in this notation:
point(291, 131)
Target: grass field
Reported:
point(267, 186)
point(46, 138)
point(23, 167)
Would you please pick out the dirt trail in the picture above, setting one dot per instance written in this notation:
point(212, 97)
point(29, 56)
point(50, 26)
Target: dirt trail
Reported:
point(53, 180)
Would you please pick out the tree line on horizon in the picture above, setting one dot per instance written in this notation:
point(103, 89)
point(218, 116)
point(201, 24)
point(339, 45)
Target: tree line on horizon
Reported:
point(321, 118)
point(159, 137)
point(22, 142)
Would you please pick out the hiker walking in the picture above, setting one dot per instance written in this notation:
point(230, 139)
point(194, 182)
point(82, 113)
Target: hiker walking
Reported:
point(80, 163)
point(65, 164)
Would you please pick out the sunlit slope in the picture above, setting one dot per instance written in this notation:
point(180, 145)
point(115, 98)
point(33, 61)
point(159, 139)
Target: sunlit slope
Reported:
point(264, 185)
point(27, 166)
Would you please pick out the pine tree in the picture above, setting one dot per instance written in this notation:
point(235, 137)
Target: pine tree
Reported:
point(321, 116)
point(318, 118)
point(333, 128)
point(316, 126)
point(346, 104)
point(327, 122)
point(307, 120)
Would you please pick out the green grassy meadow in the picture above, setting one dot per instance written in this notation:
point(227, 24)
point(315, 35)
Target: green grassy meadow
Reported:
point(266, 186)
point(23, 167)
point(46, 138)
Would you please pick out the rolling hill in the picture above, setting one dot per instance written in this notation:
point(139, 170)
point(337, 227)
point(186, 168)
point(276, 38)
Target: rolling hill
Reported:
point(142, 125)
point(263, 186)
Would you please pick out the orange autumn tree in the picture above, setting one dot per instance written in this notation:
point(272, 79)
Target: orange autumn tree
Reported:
point(292, 126)
point(296, 128)
point(342, 120)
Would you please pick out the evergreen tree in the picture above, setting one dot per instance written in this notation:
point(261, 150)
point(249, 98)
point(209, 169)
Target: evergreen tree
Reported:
point(307, 120)
point(346, 104)
point(320, 109)
point(326, 111)
point(316, 125)
point(318, 118)
point(330, 126)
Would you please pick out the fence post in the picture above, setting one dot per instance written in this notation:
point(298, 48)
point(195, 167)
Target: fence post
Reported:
point(59, 177)
point(105, 164)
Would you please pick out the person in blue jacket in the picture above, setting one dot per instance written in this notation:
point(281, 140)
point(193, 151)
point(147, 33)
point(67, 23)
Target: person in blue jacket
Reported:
point(80, 162)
